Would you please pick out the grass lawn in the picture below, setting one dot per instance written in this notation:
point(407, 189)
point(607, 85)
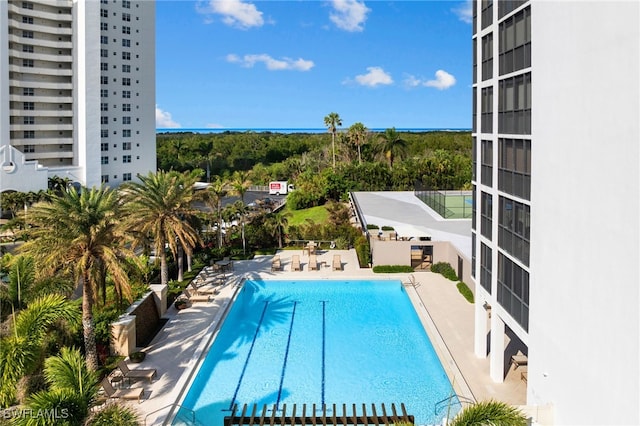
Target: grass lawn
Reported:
point(318, 214)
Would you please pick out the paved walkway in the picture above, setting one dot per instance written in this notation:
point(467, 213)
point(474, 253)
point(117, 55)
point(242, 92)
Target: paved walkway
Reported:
point(446, 315)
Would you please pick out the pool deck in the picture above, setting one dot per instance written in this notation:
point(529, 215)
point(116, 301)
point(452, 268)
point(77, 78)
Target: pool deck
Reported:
point(446, 315)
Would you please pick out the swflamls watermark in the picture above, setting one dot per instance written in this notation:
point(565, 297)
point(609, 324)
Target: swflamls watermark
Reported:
point(51, 413)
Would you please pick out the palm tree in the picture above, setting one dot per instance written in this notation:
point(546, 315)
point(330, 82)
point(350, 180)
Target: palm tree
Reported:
point(159, 208)
point(358, 136)
point(391, 145)
point(78, 233)
point(494, 413)
point(332, 121)
point(240, 185)
point(215, 192)
point(21, 351)
point(278, 222)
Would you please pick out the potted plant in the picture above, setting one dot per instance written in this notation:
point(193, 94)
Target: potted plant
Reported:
point(180, 304)
point(137, 356)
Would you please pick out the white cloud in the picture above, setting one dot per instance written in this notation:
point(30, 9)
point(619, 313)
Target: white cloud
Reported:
point(465, 11)
point(443, 81)
point(375, 76)
point(349, 15)
point(272, 64)
point(164, 120)
point(234, 13)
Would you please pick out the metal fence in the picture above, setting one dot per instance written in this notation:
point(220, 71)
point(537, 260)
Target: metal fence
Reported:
point(448, 204)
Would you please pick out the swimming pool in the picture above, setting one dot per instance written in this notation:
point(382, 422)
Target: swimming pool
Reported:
point(322, 342)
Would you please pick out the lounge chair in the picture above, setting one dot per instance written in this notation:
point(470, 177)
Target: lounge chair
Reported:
point(275, 263)
point(519, 360)
point(204, 289)
point(136, 393)
point(142, 373)
point(196, 297)
point(313, 262)
point(337, 262)
point(295, 263)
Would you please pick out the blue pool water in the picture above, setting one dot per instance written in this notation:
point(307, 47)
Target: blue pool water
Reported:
point(322, 342)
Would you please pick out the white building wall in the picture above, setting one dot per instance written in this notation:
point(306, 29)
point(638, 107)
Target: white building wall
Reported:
point(584, 319)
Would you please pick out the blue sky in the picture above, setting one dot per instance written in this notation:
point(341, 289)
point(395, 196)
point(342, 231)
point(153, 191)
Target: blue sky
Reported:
point(287, 64)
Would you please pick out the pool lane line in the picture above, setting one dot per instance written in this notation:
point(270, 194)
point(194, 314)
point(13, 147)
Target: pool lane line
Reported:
point(324, 332)
point(246, 361)
point(286, 356)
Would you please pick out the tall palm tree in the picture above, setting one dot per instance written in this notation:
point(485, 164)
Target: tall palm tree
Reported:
point(21, 350)
point(494, 413)
point(78, 232)
point(332, 121)
point(278, 222)
point(159, 208)
point(358, 136)
point(215, 192)
point(240, 185)
point(391, 145)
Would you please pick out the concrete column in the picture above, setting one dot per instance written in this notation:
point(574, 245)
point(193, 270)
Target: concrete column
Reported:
point(160, 297)
point(480, 330)
point(124, 335)
point(496, 356)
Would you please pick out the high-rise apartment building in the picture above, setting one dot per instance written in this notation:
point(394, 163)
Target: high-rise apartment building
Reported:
point(556, 182)
point(77, 91)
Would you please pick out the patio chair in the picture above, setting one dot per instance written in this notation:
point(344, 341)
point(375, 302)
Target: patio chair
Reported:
point(275, 263)
point(111, 392)
point(204, 289)
point(295, 263)
point(196, 297)
point(337, 262)
point(142, 373)
point(313, 262)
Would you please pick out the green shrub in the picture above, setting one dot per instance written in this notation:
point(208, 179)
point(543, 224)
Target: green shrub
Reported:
point(114, 414)
point(363, 251)
point(465, 291)
point(372, 226)
point(387, 228)
point(392, 268)
point(342, 243)
point(445, 269)
point(102, 319)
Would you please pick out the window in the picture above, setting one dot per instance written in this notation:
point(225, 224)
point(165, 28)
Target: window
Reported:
point(514, 105)
point(485, 267)
point(105, 178)
point(486, 161)
point(126, 56)
point(126, 146)
point(126, 133)
point(104, 26)
point(514, 228)
point(126, 177)
point(486, 125)
point(514, 167)
point(506, 6)
point(126, 30)
point(104, 159)
point(126, 17)
point(126, 4)
point(29, 134)
point(28, 119)
point(27, 34)
point(30, 106)
point(487, 13)
point(104, 146)
point(27, 5)
point(486, 213)
point(104, 106)
point(126, 158)
point(126, 107)
point(104, 133)
point(104, 120)
point(104, 40)
point(27, 63)
point(513, 290)
point(126, 94)
point(27, 48)
point(126, 81)
point(515, 42)
point(126, 120)
point(29, 149)
point(104, 13)
point(104, 93)
point(104, 79)
point(104, 53)
point(126, 68)
point(104, 66)
point(487, 57)
point(28, 91)
point(27, 20)
point(126, 42)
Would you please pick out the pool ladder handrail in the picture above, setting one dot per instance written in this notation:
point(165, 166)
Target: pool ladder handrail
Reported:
point(461, 399)
point(174, 405)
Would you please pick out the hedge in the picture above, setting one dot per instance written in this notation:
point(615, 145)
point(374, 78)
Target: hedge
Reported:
point(465, 291)
point(392, 268)
point(445, 269)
